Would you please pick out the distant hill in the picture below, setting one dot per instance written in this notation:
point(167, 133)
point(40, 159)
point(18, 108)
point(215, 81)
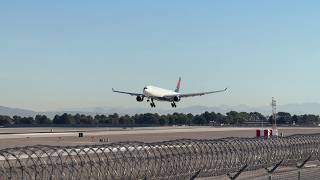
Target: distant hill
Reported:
point(16, 111)
point(305, 108)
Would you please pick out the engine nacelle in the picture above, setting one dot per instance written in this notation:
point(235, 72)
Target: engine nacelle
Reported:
point(176, 99)
point(139, 98)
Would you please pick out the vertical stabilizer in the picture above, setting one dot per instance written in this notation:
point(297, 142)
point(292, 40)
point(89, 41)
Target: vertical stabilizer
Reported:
point(177, 90)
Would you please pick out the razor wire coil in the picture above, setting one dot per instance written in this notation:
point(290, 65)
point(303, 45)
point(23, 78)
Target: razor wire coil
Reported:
point(177, 159)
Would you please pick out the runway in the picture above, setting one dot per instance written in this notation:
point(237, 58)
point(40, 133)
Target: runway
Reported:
point(60, 132)
point(12, 137)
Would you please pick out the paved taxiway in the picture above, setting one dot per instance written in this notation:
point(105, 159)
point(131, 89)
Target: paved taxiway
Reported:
point(12, 137)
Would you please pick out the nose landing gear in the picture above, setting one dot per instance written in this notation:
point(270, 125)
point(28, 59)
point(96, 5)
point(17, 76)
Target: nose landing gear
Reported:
point(152, 104)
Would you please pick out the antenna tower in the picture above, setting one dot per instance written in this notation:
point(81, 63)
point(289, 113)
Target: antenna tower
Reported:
point(274, 116)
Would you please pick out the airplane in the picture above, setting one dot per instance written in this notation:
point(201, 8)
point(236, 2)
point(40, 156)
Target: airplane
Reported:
point(155, 93)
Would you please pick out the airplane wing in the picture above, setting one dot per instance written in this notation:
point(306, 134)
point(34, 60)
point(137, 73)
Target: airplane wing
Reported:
point(129, 93)
point(200, 94)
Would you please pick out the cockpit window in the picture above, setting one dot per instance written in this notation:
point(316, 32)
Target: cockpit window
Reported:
point(145, 88)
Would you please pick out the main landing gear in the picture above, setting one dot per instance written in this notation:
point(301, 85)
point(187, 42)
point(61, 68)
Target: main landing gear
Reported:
point(152, 104)
point(173, 104)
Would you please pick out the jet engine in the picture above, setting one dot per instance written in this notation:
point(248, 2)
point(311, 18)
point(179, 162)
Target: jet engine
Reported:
point(176, 99)
point(139, 98)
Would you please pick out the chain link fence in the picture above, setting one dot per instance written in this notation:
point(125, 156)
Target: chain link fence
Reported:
point(177, 159)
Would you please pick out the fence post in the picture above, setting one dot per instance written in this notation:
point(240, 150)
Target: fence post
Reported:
point(195, 175)
point(238, 173)
point(301, 166)
point(270, 171)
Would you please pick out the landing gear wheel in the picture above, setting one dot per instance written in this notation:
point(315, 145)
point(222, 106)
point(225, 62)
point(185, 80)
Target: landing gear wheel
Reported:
point(173, 105)
point(153, 105)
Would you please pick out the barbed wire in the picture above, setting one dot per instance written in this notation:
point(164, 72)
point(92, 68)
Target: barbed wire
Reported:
point(177, 159)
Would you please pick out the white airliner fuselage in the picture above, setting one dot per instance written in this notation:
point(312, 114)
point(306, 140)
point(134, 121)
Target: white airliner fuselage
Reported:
point(155, 93)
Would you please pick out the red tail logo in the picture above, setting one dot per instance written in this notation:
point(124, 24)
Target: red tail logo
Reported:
point(178, 85)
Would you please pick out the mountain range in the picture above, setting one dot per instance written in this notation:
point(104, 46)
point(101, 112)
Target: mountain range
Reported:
point(305, 108)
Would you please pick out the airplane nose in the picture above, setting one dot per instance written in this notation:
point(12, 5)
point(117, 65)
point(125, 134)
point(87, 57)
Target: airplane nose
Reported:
point(146, 91)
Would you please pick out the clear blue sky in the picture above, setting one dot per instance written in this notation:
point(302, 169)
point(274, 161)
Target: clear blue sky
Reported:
point(63, 54)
